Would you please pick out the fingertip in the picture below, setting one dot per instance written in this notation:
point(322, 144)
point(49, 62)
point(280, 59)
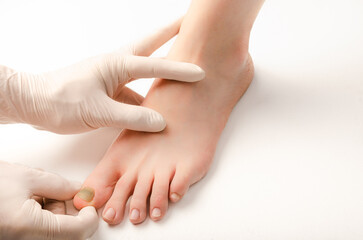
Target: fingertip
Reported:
point(89, 212)
point(76, 185)
point(136, 118)
point(89, 218)
point(199, 73)
point(188, 72)
point(147, 120)
point(157, 122)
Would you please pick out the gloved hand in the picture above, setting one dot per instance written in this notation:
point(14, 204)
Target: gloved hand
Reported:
point(81, 97)
point(22, 217)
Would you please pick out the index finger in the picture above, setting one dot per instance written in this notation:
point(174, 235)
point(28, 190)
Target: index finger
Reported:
point(147, 67)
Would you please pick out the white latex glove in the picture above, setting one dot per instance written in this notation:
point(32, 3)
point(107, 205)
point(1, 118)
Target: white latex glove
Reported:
point(22, 217)
point(81, 97)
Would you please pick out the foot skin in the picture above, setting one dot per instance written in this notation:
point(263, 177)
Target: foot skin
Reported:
point(164, 165)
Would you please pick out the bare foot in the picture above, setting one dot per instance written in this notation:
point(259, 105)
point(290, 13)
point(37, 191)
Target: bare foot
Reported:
point(164, 165)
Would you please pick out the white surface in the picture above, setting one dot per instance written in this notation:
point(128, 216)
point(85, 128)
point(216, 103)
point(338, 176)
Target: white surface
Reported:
point(289, 163)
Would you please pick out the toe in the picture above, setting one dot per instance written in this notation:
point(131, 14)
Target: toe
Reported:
point(159, 196)
point(98, 187)
point(139, 199)
point(115, 207)
point(180, 184)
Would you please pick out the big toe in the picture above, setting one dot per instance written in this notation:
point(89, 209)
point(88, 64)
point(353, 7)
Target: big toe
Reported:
point(97, 188)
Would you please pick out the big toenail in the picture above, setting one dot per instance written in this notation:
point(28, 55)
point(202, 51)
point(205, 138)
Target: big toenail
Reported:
point(86, 194)
point(175, 197)
point(135, 214)
point(109, 214)
point(156, 213)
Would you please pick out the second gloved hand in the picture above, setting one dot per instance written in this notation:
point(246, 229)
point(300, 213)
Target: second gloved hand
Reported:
point(81, 97)
point(22, 216)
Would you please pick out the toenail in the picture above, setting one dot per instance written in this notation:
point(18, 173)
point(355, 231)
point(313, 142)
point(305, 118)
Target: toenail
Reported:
point(86, 194)
point(175, 197)
point(109, 214)
point(135, 214)
point(156, 213)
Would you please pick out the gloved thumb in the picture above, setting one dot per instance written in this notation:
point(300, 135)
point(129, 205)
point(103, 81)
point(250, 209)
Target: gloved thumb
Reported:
point(47, 225)
point(79, 227)
point(121, 115)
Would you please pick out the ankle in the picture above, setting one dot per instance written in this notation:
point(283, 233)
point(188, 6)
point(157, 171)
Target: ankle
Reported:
point(216, 57)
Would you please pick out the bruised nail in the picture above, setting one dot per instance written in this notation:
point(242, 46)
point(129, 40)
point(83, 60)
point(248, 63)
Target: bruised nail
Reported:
point(86, 194)
point(175, 197)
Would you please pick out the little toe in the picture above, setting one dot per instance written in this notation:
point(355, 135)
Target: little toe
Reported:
point(98, 187)
point(180, 184)
point(159, 197)
point(139, 199)
point(115, 207)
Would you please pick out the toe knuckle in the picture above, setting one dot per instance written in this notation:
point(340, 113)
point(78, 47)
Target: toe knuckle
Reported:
point(185, 178)
point(136, 202)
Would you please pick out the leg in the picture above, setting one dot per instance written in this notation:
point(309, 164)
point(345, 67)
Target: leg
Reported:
point(214, 35)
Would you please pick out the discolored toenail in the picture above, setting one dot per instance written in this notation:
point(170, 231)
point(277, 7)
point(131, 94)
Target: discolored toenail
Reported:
point(86, 194)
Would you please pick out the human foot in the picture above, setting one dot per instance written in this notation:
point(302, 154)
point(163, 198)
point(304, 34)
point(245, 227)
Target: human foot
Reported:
point(164, 165)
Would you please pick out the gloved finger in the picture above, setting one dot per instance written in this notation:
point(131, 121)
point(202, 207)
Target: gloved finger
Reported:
point(83, 226)
point(146, 67)
point(61, 226)
point(126, 95)
point(51, 185)
point(149, 44)
point(54, 206)
point(120, 115)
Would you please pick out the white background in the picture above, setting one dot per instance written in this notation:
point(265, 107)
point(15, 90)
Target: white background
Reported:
point(289, 163)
